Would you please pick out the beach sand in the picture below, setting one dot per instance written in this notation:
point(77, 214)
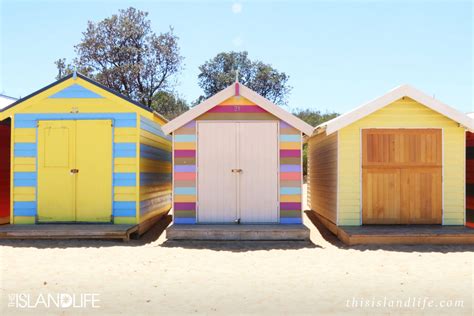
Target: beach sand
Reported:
point(156, 276)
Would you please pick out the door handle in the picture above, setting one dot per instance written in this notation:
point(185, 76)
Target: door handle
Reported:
point(74, 171)
point(236, 170)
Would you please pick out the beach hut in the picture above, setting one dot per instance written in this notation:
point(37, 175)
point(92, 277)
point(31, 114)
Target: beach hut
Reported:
point(237, 159)
point(399, 159)
point(83, 153)
point(470, 177)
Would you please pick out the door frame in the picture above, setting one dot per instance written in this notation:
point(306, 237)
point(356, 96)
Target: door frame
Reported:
point(398, 128)
point(105, 118)
point(277, 122)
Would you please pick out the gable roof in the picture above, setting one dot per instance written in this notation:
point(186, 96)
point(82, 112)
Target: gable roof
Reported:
point(63, 93)
point(5, 101)
point(364, 110)
point(237, 89)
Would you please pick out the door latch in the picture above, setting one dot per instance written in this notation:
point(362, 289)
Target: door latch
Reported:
point(236, 170)
point(74, 171)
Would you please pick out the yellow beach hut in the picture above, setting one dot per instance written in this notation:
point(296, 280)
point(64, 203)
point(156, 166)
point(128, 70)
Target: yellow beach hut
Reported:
point(82, 153)
point(399, 159)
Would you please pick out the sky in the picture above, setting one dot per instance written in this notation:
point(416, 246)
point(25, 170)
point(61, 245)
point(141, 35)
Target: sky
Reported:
point(338, 54)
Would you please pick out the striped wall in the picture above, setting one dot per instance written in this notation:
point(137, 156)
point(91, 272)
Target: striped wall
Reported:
point(290, 175)
point(470, 179)
point(184, 142)
point(155, 170)
point(25, 161)
point(236, 108)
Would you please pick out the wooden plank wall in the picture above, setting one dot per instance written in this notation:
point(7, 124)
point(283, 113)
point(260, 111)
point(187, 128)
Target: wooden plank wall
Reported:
point(470, 179)
point(155, 170)
point(322, 175)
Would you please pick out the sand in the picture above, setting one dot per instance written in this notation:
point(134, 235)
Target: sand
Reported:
point(156, 276)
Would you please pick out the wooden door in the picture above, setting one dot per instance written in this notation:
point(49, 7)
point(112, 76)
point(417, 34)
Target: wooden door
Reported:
point(56, 183)
point(258, 180)
point(217, 184)
point(94, 166)
point(401, 176)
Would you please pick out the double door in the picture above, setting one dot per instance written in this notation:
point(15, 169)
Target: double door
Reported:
point(238, 172)
point(75, 171)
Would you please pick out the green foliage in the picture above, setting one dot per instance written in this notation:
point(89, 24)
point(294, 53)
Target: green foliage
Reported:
point(123, 53)
point(220, 72)
point(313, 118)
point(168, 104)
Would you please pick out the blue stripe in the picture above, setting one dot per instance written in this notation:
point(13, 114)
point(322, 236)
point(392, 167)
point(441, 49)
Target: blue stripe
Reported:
point(125, 150)
point(184, 138)
point(25, 149)
point(152, 127)
point(184, 220)
point(75, 91)
point(24, 179)
point(289, 190)
point(290, 138)
point(23, 120)
point(126, 209)
point(24, 208)
point(290, 168)
point(154, 153)
point(185, 191)
point(125, 179)
point(291, 220)
point(184, 168)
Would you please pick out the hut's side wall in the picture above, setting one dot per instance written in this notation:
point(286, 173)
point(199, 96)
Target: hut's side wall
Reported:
point(236, 109)
point(155, 170)
point(403, 113)
point(322, 175)
point(470, 179)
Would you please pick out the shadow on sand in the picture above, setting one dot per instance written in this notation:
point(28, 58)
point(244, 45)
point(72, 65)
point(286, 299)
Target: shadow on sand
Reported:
point(320, 233)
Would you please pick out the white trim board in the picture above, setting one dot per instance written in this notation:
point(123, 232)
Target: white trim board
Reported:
point(245, 92)
point(364, 110)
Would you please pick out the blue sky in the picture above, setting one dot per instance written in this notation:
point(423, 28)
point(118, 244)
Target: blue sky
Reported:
point(339, 54)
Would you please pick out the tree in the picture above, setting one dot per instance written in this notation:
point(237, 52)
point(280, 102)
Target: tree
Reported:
point(220, 71)
point(169, 104)
point(123, 53)
point(313, 118)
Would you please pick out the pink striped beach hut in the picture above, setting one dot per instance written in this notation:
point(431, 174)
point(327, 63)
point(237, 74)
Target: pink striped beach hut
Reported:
point(237, 158)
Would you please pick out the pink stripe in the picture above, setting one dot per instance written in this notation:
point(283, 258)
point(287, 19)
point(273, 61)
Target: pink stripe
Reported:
point(185, 153)
point(180, 206)
point(289, 153)
point(236, 109)
point(237, 89)
point(184, 176)
point(290, 176)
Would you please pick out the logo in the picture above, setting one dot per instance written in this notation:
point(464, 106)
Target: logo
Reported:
point(50, 300)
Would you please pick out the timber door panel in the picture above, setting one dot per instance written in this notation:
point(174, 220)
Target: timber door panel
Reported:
point(415, 156)
point(56, 187)
point(381, 196)
point(421, 199)
point(258, 181)
point(217, 184)
point(94, 165)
